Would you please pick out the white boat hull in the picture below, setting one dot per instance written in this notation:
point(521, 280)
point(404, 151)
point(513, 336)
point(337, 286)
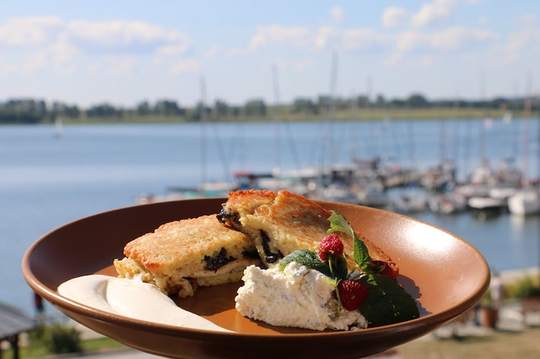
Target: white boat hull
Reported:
point(524, 203)
point(485, 203)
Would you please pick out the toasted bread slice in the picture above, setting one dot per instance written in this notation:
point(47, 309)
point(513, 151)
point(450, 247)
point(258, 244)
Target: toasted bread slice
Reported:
point(180, 255)
point(282, 222)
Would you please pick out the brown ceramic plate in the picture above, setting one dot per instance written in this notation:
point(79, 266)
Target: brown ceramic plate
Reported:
point(445, 273)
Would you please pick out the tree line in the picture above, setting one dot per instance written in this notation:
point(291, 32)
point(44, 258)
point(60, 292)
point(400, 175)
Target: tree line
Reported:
point(29, 110)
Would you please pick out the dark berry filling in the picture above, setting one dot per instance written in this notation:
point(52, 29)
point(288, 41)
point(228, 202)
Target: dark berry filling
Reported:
point(217, 261)
point(270, 256)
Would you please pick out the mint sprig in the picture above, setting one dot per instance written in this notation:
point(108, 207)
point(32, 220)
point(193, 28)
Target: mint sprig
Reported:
point(387, 301)
point(338, 267)
point(339, 224)
point(306, 258)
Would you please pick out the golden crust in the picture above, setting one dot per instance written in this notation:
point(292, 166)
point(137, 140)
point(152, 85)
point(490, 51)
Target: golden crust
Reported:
point(290, 221)
point(179, 247)
point(180, 255)
point(245, 202)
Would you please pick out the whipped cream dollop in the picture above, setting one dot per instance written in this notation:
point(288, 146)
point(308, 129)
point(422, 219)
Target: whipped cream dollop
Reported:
point(295, 297)
point(132, 298)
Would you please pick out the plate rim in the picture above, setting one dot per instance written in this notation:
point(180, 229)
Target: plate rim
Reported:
point(432, 319)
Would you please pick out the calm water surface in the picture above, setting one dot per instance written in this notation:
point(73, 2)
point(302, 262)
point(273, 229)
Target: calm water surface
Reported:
point(47, 181)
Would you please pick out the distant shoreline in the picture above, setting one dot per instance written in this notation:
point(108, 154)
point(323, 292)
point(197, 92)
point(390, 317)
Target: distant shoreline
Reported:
point(355, 115)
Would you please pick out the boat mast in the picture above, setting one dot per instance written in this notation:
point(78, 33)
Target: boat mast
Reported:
point(220, 147)
point(526, 114)
point(278, 125)
point(59, 127)
point(333, 84)
point(276, 120)
point(202, 123)
point(443, 140)
point(482, 143)
point(412, 150)
point(328, 136)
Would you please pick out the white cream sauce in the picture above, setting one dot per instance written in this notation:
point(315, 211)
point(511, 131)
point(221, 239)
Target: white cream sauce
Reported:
point(132, 298)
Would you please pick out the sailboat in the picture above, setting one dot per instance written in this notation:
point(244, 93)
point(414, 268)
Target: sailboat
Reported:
point(58, 127)
point(526, 201)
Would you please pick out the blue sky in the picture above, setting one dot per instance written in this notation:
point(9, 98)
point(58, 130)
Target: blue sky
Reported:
point(125, 51)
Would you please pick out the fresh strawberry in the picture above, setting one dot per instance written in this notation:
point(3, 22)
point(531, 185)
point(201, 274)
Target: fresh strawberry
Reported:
point(330, 244)
point(352, 293)
point(385, 268)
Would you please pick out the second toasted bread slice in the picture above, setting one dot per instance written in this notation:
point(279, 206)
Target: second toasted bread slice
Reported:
point(180, 255)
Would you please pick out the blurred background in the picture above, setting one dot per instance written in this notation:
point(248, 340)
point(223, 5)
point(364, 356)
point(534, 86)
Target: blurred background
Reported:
point(430, 108)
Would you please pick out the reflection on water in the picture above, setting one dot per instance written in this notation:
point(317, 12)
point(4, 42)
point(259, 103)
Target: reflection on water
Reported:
point(505, 241)
point(518, 224)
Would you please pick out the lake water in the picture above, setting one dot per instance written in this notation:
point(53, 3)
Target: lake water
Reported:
point(47, 181)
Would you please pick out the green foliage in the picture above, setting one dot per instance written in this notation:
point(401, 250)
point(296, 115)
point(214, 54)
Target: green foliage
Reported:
point(417, 106)
point(308, 259)
point(486, 301)
point(255, 107)
point(304, 105)
point(525, 287)
point(338, 223)
point(38, 333)
point(387, 301)
point(338, 266)
point(60, 339)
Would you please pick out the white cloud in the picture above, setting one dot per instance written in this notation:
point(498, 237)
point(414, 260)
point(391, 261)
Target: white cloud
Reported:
point(171, 50)
point(323, 36)
point(348, 39)
point(394, 16)
point(297, 65)
point(362, 38)
point(123, 64)
point(185, 66)
point(28, 31)
point(120, 33)
point(212, 52)
point(524, 38)
point(115, 34)
point(433, 11)
point(408, 40)
point(265, 35)
point(54, 42)
point(449, 39)
point(455, 38)
point(337, 14)
point(34, 63)
point(62, 52)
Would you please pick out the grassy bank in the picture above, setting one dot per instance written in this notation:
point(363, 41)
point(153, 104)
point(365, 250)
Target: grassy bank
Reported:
point(500, 344)
point(38, 349)
point(365, 114)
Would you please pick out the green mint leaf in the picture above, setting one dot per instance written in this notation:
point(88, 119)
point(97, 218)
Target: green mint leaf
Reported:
point(360, 253)
point(338, 223)
point(387, 301)
point(308, 259)
point(338, 266)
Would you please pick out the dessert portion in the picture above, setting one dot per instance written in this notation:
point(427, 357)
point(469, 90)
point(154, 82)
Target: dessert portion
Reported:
point(317, 290)
point(179, 256)
point(280, 223)
point(294, 297)
point(321, 274)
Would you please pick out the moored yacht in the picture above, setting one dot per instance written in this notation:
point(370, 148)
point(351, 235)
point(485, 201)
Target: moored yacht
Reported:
point(525, 202)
